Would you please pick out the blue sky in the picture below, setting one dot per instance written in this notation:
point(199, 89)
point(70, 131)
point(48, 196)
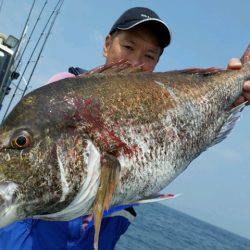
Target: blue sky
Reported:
point(216, 186)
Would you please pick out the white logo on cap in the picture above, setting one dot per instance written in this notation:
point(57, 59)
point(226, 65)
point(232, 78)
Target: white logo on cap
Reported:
point(143, 15)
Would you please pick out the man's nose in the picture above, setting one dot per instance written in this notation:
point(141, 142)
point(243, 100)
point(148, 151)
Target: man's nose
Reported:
point(135, 58)
point(136, 61)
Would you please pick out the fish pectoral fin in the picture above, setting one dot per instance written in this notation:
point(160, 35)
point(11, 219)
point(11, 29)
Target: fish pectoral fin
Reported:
point(233, 116)
point(156, 198)
point(110, 170)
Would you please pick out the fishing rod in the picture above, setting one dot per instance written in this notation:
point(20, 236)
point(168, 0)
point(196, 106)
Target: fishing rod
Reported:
point(1, 6)
point(31, 34)
point(18, 46)
point(27, 64)
point(42, 48)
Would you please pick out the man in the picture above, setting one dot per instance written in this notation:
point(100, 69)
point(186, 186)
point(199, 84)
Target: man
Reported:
point(137, 39)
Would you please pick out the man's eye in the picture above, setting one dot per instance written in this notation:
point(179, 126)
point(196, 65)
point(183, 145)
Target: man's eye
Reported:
point(150, 57)
point(128, 47)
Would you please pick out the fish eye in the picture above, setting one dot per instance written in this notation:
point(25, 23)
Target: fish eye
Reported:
point(21, 141)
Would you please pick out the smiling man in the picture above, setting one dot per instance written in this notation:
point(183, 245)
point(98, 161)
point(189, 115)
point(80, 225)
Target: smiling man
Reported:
point(138, 37)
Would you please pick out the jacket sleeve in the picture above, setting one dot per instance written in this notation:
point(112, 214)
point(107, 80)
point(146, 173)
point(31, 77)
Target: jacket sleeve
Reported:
point(16, 236)
point(112, 228)
point(60, 76)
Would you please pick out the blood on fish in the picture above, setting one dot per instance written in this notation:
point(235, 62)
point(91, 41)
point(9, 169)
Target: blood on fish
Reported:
point(89, 110)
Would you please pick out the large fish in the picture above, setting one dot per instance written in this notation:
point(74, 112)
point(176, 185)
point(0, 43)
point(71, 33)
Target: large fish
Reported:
point(80, 145)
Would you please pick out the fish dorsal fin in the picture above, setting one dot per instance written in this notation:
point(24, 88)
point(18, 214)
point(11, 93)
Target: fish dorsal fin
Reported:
point(201, 72)
point(233, 116)
point(121, 66)
point(246, 55)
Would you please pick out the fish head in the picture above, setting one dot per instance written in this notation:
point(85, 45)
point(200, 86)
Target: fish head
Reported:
point(35, 153)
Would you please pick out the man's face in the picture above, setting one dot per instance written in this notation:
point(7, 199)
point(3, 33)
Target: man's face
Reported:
point(137, 45)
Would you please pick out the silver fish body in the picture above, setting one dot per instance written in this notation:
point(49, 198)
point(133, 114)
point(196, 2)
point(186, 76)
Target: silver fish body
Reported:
point(53, 142)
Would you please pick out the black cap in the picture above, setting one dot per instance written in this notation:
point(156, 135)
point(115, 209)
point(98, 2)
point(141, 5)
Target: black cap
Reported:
point(135, 16)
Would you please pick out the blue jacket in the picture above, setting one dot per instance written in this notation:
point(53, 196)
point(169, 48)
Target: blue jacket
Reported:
point(34, 234)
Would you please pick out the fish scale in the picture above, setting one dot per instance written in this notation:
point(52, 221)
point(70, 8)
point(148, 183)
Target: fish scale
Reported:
point(110, 139)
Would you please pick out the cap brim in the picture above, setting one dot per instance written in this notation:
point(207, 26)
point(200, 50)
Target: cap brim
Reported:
point(164, 32)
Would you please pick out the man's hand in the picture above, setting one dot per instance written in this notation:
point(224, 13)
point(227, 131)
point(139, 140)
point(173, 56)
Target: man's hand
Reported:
point(236, 64)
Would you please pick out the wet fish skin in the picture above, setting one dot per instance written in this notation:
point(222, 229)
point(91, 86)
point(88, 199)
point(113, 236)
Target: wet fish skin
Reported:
point(155, 124)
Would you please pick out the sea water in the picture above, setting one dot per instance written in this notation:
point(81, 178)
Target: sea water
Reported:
point(158, 227)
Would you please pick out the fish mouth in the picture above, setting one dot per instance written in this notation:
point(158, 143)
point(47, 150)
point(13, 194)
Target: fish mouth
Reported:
point(8, 205)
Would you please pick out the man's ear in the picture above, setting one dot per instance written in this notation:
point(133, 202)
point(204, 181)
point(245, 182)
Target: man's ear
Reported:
point(106, 46)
